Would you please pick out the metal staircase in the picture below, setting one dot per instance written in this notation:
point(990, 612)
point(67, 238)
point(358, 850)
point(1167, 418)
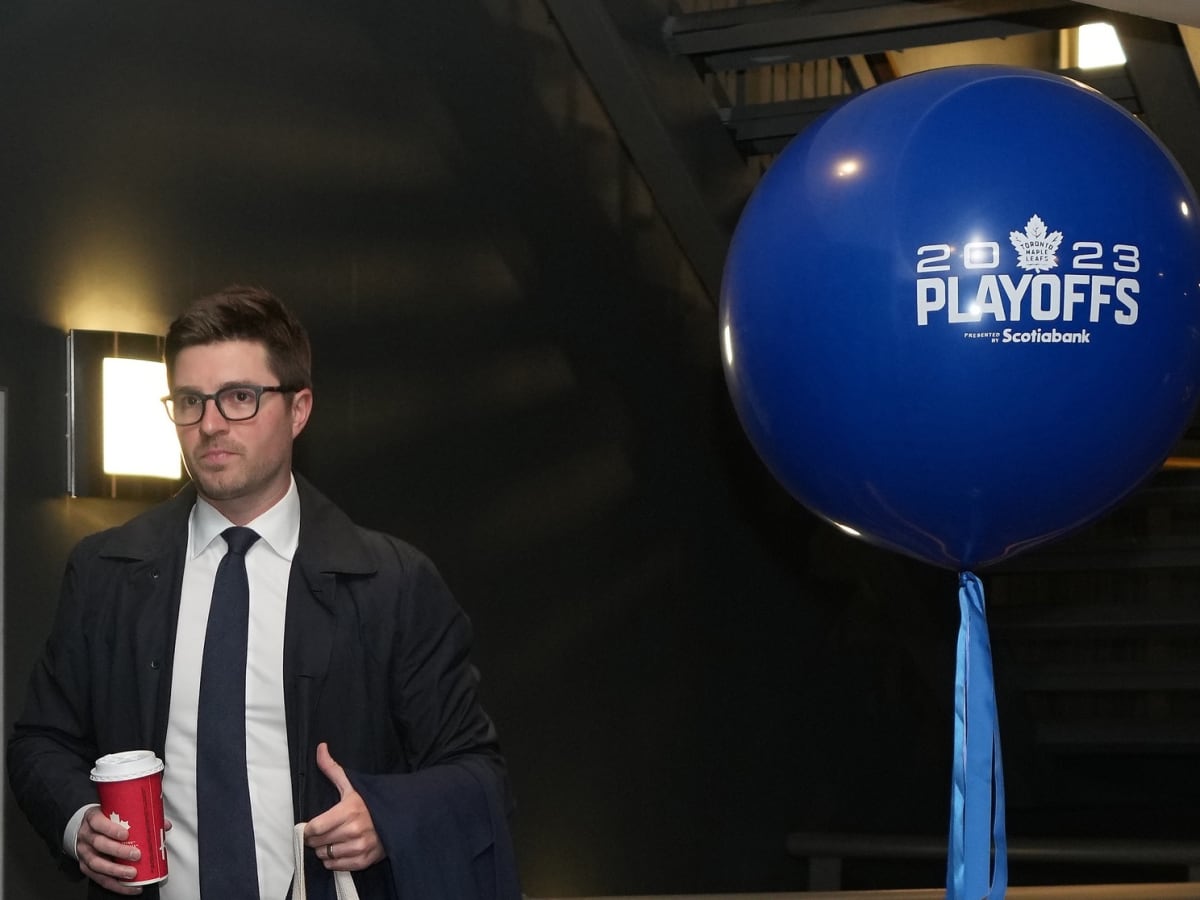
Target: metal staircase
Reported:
point(1096, 642)
point(704, 92)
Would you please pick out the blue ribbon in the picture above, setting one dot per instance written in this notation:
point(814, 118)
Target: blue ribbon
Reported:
point(977, 802)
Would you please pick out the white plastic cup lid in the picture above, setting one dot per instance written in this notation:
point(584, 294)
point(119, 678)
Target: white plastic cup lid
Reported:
point(126, 765)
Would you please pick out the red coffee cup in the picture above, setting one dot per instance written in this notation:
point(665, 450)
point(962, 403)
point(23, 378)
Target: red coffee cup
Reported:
point(130, 789)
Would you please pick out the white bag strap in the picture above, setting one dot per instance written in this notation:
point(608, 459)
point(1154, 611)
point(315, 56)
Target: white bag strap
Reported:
point(343, 882)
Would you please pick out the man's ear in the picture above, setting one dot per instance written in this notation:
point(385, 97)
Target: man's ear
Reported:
point(302, 402)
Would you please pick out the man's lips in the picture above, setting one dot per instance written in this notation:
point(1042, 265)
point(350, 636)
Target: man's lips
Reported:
point(217, 455)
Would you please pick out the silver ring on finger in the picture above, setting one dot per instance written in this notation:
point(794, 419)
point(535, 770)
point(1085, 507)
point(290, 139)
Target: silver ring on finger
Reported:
point(329, 851)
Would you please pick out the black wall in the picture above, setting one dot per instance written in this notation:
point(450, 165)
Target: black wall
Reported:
point(516, 371)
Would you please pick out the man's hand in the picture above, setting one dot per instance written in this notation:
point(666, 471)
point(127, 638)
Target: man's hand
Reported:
point(344, 835)
point(100, 847)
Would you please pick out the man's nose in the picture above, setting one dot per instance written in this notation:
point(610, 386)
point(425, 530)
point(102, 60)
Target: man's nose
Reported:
point(212, 421)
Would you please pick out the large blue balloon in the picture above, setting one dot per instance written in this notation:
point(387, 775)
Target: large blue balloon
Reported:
point(961, 312)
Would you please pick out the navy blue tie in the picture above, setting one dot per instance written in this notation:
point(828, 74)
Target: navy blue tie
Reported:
point(224, 828)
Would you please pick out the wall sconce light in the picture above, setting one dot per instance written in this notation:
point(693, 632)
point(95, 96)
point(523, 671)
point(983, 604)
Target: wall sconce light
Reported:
point(120, 442)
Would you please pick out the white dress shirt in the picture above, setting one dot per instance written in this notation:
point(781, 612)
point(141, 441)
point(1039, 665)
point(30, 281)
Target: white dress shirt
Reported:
point(268, 566)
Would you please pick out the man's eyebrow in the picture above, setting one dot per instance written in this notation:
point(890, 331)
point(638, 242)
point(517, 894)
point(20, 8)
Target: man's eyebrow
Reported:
point(192, 389)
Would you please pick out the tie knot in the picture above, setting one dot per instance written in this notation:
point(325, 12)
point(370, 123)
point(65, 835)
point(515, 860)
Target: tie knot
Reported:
point(239, 539)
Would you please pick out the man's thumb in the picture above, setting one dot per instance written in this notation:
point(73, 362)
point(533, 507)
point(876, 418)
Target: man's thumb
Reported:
point(331, 769)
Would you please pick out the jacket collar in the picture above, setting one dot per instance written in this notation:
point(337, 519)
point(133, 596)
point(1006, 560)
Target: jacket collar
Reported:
point(329, 540)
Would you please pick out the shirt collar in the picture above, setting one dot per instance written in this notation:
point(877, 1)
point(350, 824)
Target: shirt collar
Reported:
point(279, 526)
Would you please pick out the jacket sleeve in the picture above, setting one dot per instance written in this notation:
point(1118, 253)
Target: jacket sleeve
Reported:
point(445, 830)
point(434, 686)
point(52, 745)
point(444, 818)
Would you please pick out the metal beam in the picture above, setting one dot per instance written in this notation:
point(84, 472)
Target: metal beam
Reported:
point(670, 127)
point(1165, 81)
point(762, 128)
point(785, 32)
point(1112, 81)
point(765, 128)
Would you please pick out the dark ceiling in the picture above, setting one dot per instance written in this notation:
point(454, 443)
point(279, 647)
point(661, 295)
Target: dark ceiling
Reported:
point(704, 92)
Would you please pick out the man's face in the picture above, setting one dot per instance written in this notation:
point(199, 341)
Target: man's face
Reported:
point(241, 468)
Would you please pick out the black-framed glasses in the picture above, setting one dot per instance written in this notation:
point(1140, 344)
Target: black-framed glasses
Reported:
point(236, 403)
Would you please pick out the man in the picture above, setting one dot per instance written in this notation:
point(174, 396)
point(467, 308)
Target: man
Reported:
point(361, 715)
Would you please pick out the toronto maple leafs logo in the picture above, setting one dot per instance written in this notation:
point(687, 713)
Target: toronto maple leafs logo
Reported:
point(1036, 249)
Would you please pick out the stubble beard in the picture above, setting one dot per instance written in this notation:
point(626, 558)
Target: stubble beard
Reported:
point(233, 482)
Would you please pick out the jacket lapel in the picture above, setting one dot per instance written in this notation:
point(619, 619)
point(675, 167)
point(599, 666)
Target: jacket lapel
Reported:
point(329, 547)
point(308, 643)
point(155, 546)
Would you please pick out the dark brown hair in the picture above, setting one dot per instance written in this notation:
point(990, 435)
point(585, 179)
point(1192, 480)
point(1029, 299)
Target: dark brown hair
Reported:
point(238, 313)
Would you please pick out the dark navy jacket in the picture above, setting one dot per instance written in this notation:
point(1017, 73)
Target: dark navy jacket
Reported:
point(375, 663)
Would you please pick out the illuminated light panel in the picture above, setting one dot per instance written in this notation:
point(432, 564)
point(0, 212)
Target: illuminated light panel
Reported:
point(139, 439)
point(1099, 46)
